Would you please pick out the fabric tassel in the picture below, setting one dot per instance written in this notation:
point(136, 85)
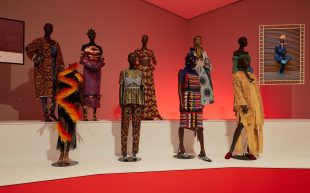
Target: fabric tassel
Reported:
point(64, 136)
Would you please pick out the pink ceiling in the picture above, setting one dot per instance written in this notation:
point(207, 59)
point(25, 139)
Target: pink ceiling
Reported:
point(190, 8)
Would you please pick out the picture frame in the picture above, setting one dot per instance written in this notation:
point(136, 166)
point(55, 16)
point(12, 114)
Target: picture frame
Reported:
point(12, 41)
point(282, 54)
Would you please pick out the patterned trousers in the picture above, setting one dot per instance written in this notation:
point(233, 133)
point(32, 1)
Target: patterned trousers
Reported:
point(131, 111)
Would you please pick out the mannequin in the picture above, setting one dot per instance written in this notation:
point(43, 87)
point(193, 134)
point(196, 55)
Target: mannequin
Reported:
point(241, 53)
point(203, 68)
point(131, 100)
point(48, 62)
point(68, 98)
point(249, 112)
point(190, 106)
point(146, 64)
point(92, 60)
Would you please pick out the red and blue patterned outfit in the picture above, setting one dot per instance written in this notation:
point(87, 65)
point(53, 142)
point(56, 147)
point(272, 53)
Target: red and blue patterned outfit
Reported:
point(191, 108)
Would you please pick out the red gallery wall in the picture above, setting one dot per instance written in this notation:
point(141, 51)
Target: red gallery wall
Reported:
point(120, 25)
point(221, 29)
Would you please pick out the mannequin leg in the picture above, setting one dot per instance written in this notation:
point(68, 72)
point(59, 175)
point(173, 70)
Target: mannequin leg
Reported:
point(202, 154)
point(282, 69)
point(181, 140)
point(236, 137)
point(181, 150)
point(85, 114)
point(95, 114)
point(136, 125)
point(201, 141)
point(45, 109)
point(126, 112)
point(52, 110)
point(61, 145)
point(61, 156)
point(66, 158)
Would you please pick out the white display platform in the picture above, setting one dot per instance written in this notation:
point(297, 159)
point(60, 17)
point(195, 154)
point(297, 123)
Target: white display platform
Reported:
point(29, 147)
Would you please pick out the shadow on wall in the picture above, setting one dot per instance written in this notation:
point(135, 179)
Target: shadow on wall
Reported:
point(22, 98)
point(189, 139)
point(5, 88)
point(25, 100)
point(51, 153)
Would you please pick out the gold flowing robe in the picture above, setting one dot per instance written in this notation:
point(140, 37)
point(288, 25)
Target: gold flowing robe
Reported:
point(247, 93)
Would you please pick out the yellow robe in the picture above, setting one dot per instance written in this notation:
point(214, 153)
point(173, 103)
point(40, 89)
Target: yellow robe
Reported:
point(247, 93)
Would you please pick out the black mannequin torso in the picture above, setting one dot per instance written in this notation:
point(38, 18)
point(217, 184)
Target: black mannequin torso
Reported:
point(49, 40)
point(240, 52)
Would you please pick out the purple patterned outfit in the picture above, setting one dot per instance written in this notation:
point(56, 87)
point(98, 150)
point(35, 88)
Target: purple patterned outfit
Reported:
point(92, 61)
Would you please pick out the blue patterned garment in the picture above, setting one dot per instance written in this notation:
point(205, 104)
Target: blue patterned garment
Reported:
point(54, 52)
point(280, 55)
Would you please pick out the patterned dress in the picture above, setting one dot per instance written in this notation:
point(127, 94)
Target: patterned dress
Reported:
point(48, 62)
point(203, 69)
point(131, 101)
point(147, 64)
point(191, 108)
point(247, 93)
point(93, 62)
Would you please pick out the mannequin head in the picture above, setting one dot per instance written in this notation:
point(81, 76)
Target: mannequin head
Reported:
point(190, 59)
point(48, 29)
point(91, 35)
point(145, 39)
point(243, 42)
point(197, 41)
point(132, 59)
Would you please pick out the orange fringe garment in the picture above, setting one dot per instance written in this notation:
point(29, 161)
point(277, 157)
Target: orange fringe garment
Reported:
point(71, 109)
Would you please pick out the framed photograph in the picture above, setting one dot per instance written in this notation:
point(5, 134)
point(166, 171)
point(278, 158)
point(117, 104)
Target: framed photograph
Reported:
point(12, 34)
point(281, 54)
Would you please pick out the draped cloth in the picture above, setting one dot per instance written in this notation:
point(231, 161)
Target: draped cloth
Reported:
point(46, 67)
point(246, 93)
point(203, 69)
